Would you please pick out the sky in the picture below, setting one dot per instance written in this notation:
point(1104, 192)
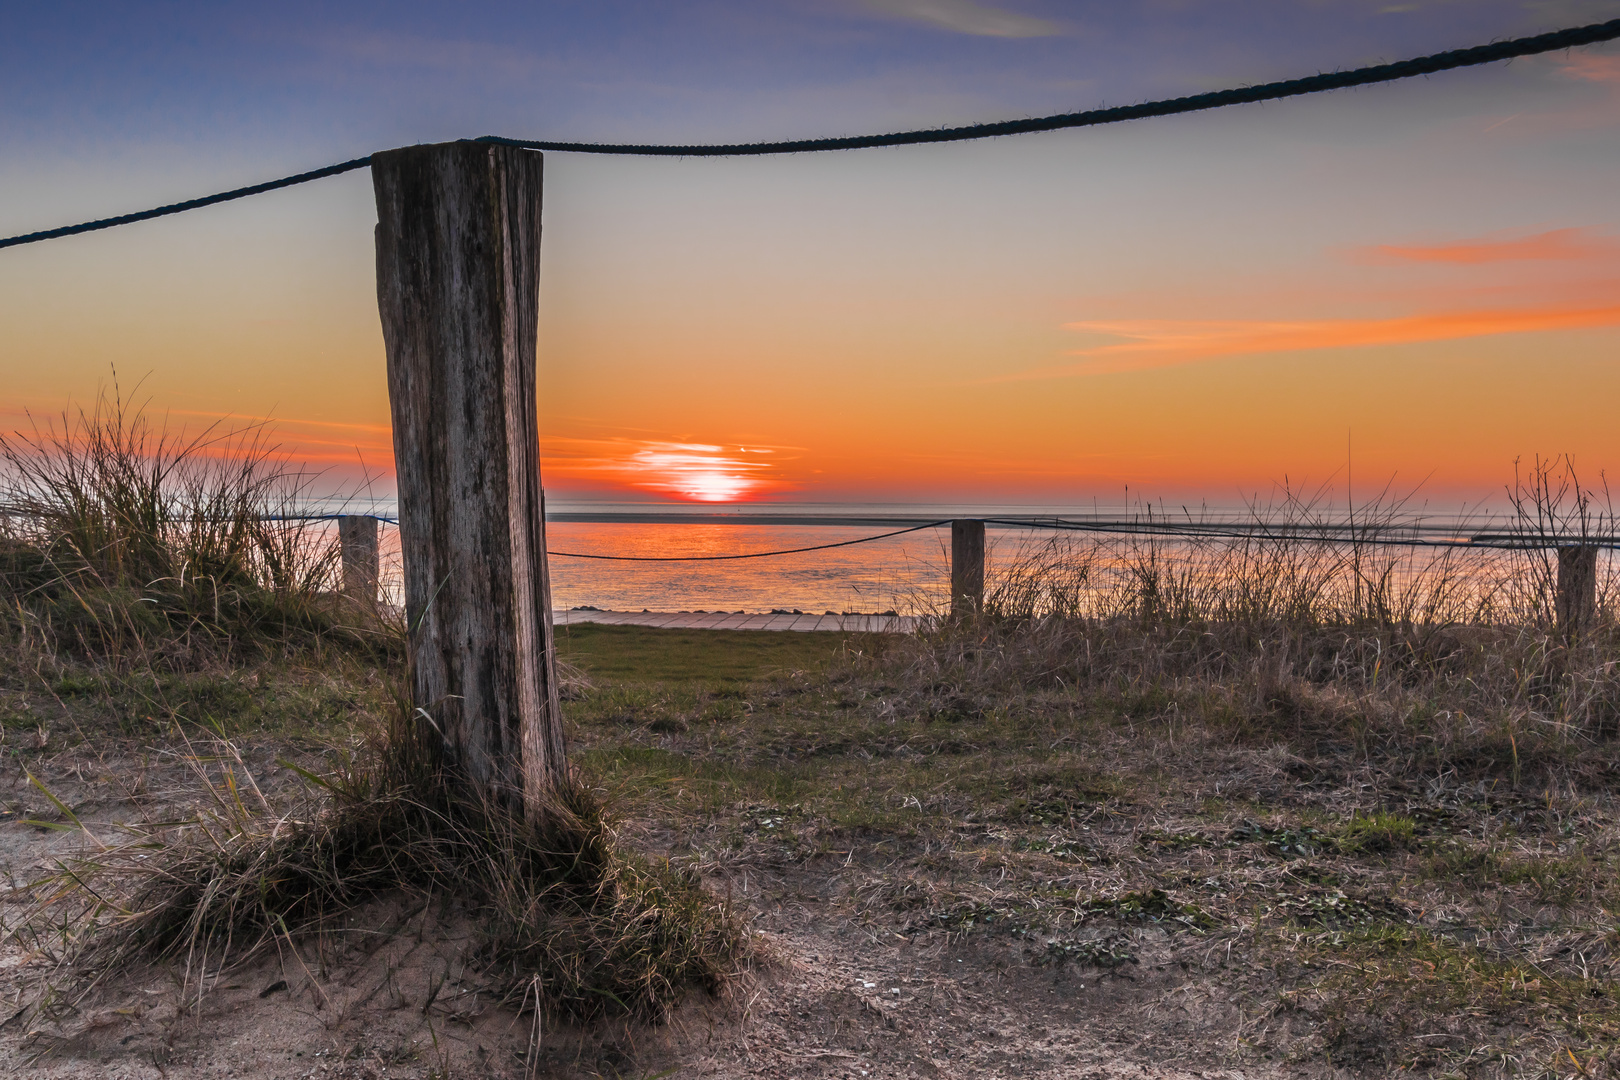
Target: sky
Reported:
point(1416, 284)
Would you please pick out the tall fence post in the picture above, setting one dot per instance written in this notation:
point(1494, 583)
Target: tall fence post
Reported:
point(362, 564)
point(967, 568)
point(458, 265)
point(1577, 588)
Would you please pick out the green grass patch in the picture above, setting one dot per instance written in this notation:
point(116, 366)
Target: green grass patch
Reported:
point(651, 654)
point(1555, 878)
point(1376, 833)
point(1393, 982)
point(641, 771)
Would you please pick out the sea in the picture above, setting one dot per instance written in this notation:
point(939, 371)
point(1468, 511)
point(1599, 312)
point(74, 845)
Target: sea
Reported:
point(662, 557)
point(906, 573)
point(898, 573)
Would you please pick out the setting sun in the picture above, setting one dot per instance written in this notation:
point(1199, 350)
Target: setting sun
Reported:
point(696, 471)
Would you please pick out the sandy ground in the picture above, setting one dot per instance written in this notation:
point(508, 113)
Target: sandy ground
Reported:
point(394, 994)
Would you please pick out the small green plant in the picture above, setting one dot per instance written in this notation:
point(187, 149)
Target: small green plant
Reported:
point(1289, 842)
point(1105, 952)
point(1375, 833)
point(1151, 905)
point(1058, 846)
point(1332, 907)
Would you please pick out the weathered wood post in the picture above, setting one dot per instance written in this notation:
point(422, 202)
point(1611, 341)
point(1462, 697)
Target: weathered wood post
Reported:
point(1577, 588)
point(362, 564)
point(967, 568)
point(458, 266)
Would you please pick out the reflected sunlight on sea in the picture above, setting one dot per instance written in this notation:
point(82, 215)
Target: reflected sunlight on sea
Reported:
point(893, 574)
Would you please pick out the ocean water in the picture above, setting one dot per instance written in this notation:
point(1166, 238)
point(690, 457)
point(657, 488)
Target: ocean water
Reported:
point(899, 573)
point(907, 573)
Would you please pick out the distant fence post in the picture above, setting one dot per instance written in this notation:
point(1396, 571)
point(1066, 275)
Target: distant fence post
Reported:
point(1577, 588)
point(967, 568)
point(362, 565)
point(458, 267)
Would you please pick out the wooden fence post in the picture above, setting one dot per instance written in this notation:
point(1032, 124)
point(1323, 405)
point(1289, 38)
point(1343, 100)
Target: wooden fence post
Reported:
point(1577, 588)
point(362, 565)
point(967, 568)
point(458, 265)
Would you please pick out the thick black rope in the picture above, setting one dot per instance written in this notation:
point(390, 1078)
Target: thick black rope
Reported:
point(751, 554)
point(1336, 535)
point(1314, 84)
point(1262, 531)
point(1259, 530)
point(189, 204)
point(1404, 69)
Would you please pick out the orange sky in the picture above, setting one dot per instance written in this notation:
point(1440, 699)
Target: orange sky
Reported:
point(1196, 307)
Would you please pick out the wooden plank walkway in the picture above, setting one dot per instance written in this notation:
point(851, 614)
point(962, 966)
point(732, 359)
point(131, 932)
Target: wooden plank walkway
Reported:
point(721, 620)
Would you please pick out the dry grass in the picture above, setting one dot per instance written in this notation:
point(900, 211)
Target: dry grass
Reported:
point(148, 549)
point(136, 562)
point(569, 922)
point(1427, 658)
point(1360, 796)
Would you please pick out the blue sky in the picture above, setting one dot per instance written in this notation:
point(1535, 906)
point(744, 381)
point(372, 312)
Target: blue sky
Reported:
point(298, 83)
point(848, 309)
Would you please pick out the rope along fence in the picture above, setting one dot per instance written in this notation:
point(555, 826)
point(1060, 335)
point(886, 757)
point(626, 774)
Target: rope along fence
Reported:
point(1576, 552)
point(1378, 73)
point(1324, 533)
point(1371, 535)
point(747, 555)
point(383, 520)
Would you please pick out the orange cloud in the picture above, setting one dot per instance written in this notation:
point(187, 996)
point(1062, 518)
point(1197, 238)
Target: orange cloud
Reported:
point(1591, 67)
point(1165, 342)
point(1564, 244)
point(697, 472)
point(301, 443)
point(319, 442)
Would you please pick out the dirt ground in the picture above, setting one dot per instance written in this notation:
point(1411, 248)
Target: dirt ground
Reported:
point(937, 886)
point(392, 994)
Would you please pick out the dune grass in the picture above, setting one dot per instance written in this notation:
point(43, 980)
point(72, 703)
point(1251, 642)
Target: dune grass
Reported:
point(147, 547)
point(169, 588)
point(566, 920)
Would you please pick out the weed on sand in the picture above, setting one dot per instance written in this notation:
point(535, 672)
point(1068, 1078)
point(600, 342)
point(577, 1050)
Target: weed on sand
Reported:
point(168, 604)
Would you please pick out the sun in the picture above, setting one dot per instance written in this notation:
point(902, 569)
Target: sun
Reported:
point(699, 472)
point(715, 486)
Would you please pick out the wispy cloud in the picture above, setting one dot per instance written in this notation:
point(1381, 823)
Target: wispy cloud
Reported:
point(1152, 343)
point(1591, 67)
point(1556, 244)
point(966, 17)
point(314, 443)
